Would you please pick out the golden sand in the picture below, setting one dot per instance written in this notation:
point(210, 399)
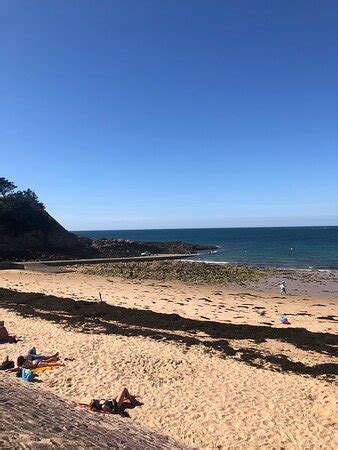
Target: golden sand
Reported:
point(209, 389)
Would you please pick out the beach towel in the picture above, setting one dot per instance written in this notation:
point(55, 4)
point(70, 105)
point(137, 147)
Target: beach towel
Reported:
point(40, 370)
point(87, 407)
point(8, 340)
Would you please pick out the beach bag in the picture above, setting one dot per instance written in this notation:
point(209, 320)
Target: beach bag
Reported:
point(284, 320)
point(7, 364)
point(27, 375)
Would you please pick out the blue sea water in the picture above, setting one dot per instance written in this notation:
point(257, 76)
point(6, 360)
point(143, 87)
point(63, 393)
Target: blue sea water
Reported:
point(287, 247)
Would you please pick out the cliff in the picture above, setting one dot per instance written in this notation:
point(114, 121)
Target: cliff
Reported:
point(28, 232)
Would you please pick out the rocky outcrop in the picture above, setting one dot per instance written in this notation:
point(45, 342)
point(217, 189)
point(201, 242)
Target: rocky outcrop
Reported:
point(191, 272)
point(110, 247)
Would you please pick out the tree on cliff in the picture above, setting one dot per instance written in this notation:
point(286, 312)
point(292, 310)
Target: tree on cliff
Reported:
point(21, 210)
point(28, 231)
point(6, 186)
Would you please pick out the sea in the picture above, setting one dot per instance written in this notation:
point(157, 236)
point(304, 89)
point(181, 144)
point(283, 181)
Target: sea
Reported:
point(285, 247)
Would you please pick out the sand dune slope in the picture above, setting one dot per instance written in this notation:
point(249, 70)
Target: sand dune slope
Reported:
point(49, 421)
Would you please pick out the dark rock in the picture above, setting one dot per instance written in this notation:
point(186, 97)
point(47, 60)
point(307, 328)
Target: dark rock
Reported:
point(111, 247)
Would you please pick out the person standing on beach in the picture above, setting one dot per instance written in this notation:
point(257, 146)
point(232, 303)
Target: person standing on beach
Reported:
point(282, 288)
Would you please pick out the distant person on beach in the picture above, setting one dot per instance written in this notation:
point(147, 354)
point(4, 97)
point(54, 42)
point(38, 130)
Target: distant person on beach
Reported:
point(3, 332)
point(282, 288)
point(4, 336)
point(116, 405)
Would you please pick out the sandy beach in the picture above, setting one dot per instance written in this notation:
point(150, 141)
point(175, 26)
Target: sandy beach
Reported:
point(212, 364)
point(169, 225)
point(51, 422)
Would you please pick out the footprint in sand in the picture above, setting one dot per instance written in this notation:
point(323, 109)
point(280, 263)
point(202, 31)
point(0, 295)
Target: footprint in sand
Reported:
point(331, 318)
point(205, 299)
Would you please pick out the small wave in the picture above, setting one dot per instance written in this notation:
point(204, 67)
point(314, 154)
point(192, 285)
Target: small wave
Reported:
point(205, 261)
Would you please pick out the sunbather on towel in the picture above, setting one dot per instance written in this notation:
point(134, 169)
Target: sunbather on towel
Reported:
point(24, 363)
point(116, 405)
point(33, 356)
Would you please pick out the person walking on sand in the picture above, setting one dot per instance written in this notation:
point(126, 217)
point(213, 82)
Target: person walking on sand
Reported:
point(282, 288)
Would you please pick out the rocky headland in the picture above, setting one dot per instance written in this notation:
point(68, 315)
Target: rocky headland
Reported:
point(110, 247)
point(28, 232)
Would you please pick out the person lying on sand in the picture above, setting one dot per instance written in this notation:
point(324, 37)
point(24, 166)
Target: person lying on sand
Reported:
point(116, 405)
point(24, 363)
point(33, 356)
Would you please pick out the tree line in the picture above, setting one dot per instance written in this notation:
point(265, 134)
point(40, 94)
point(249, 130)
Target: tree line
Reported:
point(20, 211)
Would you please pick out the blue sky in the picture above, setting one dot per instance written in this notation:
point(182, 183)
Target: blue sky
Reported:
point(158, 114)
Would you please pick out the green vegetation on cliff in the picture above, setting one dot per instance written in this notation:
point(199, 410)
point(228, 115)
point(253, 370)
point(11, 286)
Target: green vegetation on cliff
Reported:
point(21, 211)
point(28, 231)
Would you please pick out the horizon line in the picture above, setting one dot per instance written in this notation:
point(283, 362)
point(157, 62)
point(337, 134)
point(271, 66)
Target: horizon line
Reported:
point(210, 228)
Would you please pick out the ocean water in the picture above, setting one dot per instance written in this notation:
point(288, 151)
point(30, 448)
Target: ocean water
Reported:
point(287, 247)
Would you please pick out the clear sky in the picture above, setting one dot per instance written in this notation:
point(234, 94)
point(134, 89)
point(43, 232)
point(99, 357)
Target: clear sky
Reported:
point(172, 113)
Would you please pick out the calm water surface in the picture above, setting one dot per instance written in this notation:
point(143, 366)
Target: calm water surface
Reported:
point(292, 247)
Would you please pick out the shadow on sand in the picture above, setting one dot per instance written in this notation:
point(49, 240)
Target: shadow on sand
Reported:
point(91, 317)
